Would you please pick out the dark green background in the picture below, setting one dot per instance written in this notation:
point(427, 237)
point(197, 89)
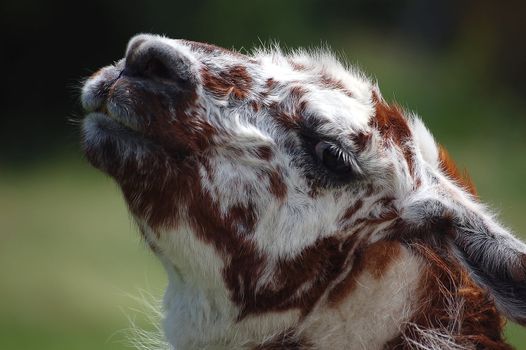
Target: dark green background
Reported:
point(69, 254)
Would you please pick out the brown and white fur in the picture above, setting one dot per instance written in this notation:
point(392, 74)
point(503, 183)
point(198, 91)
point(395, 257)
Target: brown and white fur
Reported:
point(294, 208)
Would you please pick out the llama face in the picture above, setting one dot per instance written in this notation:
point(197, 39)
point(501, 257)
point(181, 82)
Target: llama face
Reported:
point(264, 177)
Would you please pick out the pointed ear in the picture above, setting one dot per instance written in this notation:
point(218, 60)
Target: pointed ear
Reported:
point(495, 259)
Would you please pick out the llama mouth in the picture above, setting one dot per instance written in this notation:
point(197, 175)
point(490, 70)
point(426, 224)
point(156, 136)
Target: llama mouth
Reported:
point(117, 115)
point(119, 151)
point(107, 121)
point(99, 125)
point(103, 95)
point(109, 143)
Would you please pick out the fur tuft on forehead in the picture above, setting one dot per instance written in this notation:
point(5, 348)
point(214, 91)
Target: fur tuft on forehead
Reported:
point(294, 208)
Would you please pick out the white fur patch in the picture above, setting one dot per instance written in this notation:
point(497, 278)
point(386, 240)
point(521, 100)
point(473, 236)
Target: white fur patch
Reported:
point(425, 143)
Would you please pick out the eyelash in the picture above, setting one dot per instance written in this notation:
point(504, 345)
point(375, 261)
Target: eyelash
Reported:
point(339, 152)
point(317, 171)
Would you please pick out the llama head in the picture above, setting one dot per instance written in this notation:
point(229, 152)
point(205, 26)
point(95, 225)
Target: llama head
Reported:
point(262, 178)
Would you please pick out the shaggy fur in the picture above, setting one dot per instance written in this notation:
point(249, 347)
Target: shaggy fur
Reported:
point(293, 208)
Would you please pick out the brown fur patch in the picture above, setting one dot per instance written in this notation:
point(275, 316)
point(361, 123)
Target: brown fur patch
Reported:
point(256, 106)
point(244, 218)
point(361, 140)
point(156, 198)
point(392, 125)
point(316, 267)
point(349, 213)
point(290, 118)
point(215, 84)
point(242, 80)
point(296, 65)
point(375, 258)
point(277, 185)
point(286, 120)
point(444, 286)
point(271, 83)
point(380, 255)
point(329, 82)
point(390, 121)
point(264, 153)
point(343, 288)
point(448, 166)
point(234, 81)
point(297, 95)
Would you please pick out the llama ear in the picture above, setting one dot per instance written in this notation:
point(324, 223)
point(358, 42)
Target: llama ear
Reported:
point(495, 259)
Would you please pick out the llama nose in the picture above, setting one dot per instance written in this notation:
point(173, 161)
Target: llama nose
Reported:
point(155, 58)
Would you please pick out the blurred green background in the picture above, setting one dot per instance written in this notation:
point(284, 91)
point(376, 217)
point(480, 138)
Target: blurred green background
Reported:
point(69, 253)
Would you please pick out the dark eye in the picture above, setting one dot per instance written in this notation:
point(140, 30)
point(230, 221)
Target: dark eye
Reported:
point(333, 159)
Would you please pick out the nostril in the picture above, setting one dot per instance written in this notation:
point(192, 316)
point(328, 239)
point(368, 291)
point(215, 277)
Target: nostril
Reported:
point(155, 68)
point(149, 60)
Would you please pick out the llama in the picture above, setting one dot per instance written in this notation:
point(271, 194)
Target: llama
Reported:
point(294, 208)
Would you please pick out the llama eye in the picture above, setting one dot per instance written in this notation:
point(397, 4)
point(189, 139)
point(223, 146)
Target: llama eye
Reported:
point(332, 158)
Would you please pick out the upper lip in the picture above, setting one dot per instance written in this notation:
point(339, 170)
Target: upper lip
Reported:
point(108, 106)
point(127, 121)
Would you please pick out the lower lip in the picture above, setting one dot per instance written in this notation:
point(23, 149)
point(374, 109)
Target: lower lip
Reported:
point(123, 122)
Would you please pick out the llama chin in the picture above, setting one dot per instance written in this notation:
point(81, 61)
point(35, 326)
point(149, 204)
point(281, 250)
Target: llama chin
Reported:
point(294, 208)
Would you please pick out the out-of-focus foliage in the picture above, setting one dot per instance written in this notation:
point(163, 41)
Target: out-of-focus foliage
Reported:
point(69, 253)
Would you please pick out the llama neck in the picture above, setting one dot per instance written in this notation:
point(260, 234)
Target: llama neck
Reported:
point(376, 308)
point(201, 318)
